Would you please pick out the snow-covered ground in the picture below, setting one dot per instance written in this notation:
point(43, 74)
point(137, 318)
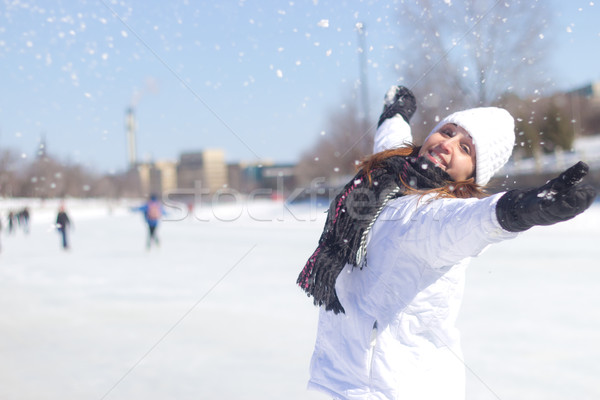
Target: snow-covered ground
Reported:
point(214, 313)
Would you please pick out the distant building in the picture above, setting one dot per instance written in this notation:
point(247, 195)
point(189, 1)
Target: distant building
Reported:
point(149, 178)
point(590, 91)
point(168, 175)
point(42, 151)
point(206, 172)
point(235, 178)
point(157, 177)
point(205, 169)
point(280, 178)
point(215, 169)
point(189, 170)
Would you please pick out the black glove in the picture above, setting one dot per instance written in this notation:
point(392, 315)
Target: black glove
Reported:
point(398, 100)
point(560, 199)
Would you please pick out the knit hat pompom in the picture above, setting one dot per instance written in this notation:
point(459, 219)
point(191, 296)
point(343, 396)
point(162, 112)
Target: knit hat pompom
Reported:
point(493, 133)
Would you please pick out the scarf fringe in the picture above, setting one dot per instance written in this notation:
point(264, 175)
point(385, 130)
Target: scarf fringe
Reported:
point(361, 253)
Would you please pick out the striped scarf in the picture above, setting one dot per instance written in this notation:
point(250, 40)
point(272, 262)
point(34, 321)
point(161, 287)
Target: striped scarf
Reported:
point(350, 218)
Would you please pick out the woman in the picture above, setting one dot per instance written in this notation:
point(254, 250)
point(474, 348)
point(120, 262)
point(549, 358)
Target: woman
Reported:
point(389, 270)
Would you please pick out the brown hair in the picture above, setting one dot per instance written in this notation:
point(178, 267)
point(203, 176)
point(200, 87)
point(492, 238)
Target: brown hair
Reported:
point(460, 189)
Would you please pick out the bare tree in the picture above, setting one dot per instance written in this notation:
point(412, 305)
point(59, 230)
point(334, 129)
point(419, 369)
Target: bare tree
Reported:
point(77, 181)
point(9, 166)
point(585, 114)
point(41, 178)
point(345, 142)
point(467, 53)
point(548, 123)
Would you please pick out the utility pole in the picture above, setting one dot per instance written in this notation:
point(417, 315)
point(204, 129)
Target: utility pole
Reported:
point(362, 64)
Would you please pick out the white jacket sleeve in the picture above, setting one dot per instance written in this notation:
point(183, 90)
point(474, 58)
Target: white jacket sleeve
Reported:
point(413, 242)
point(456, 229)
point(441, 232)
point(393, 132)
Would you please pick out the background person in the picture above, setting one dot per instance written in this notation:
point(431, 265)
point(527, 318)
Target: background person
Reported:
point(153, 212)
point(63, 224)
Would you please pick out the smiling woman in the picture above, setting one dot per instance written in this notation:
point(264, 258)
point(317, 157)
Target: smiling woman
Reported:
point(393, 253)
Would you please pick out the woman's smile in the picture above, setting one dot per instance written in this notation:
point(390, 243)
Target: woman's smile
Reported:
point(436, 158)
point(451, 149)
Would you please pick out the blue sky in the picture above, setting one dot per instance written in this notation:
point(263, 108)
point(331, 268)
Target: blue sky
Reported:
point(255, 78)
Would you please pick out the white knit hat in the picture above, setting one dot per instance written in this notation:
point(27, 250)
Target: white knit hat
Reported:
point(493, 133)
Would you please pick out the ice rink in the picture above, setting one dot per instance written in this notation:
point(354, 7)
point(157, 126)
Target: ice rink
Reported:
point(214, 313)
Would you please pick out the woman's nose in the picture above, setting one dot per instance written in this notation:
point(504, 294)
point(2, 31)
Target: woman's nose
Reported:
point(449, 143)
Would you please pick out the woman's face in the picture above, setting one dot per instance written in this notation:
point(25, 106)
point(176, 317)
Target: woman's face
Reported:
point(452, 149)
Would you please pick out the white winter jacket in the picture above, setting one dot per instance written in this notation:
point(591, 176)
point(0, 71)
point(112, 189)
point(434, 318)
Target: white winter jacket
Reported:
point(397, 338)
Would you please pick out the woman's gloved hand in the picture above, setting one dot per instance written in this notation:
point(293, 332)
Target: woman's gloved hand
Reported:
point(561, 199)
point(398, 100)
